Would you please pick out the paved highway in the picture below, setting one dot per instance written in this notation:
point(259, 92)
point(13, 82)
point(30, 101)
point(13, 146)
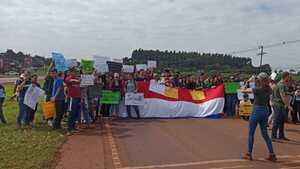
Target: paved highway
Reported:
point(193, 144)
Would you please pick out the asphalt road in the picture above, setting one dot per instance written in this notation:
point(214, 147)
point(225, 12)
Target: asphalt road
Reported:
point(194, 144)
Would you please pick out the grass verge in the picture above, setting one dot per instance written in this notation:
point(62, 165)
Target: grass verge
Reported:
point(27, 148)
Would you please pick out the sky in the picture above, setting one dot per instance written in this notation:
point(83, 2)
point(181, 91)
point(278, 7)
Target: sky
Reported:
point(114, 28)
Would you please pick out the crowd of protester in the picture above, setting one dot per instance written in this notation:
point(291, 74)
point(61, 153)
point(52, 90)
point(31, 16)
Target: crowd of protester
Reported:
point(82, 105)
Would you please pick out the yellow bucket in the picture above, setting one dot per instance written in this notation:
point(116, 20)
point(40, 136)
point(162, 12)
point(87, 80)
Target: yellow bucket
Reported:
point(48, 110)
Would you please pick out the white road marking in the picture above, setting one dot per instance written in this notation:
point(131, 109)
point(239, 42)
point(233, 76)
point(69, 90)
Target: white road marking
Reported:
point(297, 167)
point(234, 167)
point(203, 163)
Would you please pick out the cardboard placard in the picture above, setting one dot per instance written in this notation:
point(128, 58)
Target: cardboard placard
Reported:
point(136, 99)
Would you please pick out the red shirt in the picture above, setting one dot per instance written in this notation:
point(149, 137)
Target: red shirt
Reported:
point(73, 87)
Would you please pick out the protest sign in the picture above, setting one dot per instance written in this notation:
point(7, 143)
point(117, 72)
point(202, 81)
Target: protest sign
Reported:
point(231, 87)
point(151, 64)
point(71, 63)
point(141, 67)
point(59, 61)
point(241, 95)
point(110, 97)
point(128, 68)
point(87, 66)
point(32, 95)
point(86, 80)
point(136, 99)
point(252, 85)
point(157, 87)
point(101, 63)
point(114, 67)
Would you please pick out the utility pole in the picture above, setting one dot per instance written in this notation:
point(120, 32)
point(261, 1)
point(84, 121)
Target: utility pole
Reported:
point(261, 54)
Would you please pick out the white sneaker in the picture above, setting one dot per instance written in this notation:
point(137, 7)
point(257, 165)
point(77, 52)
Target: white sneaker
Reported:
point(50, 124)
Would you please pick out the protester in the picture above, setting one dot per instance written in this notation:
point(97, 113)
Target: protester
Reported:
point(58, 97)
point(48, 85)
point(231, 101)
point(94, 96)
point(131, 87)
point(73, 84)
point(262, 93)
point(22, 87)
point(31, 112)
point(280, 103)
point(2, 97)
point(87, 119)
point(116, 87)
point(296, 106)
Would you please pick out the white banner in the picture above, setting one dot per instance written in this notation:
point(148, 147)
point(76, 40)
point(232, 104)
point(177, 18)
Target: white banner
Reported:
point(86, 80)
point(32, 96)
point(101, 63)
point(128, 68)
point(141, 67)
point(152, 64)
point(136, 99)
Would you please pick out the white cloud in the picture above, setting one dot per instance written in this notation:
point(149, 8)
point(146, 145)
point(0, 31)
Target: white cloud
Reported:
point(114, 27)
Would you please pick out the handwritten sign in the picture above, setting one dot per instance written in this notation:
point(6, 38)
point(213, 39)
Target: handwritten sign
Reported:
point(151, 64)
point(141, 67)
point(86, 80)
point(157, 87)
point(59, 61)
point(136, 99)
point(101, 63)
point(71, 63)
point(231, 87)
point(128, 68)
point(32, 95)
point(110, 97)
point(87, 66)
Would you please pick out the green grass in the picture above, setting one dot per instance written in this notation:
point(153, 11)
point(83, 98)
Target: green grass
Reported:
point(27, 148)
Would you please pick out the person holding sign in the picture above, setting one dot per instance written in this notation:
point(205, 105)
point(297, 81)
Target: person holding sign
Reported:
point(130, 87)
point(262, 93)
point(22, 88)
point(58, 97)
point(31, 112)
point(116, 87)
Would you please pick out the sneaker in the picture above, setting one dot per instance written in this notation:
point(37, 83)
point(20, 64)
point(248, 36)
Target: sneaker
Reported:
point(272, 158)
point(285, 139)
point(247, 156)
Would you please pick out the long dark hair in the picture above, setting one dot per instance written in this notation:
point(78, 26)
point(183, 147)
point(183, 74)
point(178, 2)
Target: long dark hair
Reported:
point(263, 83)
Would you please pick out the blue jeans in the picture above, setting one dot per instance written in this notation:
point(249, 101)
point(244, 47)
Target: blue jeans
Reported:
point(85, 111)
point(231, 101)
point(278, 124)
point(75, 104)
point(259, 116)
point(21, 118)
point(2, 118)
point(114, 108)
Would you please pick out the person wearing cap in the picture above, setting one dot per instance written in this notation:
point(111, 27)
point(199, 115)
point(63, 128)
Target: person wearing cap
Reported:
point(262, 93)
point(280, 100)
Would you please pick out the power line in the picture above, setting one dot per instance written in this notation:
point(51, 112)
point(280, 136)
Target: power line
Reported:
point(265, 46)
point(262, 47)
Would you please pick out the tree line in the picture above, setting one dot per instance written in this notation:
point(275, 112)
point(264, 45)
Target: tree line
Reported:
point(194, 61)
